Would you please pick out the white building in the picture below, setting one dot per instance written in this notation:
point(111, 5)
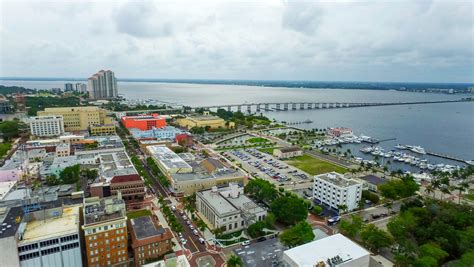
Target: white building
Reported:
point(47, 125)
point(287, 152)
point(81, 87)
point(335, 190)
point(102, 85)
point(47, 237)
point(168, 161)
point(228, 208)
point(332, 251)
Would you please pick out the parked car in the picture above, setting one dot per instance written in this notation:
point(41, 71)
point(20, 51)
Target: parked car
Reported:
point(246, 243)
point(262, 238)
point(201, 240)
point(195, 232)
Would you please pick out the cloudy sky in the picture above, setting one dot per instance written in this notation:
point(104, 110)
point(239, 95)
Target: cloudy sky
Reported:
point(288, 40)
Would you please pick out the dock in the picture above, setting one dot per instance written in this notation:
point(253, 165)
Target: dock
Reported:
point(446, 156)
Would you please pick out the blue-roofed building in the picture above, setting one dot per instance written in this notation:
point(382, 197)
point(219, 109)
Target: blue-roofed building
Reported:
point(167, 132)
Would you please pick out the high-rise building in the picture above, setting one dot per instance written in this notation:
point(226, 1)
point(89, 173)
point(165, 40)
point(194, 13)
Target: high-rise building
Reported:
point(81, 118)
point(81, 87)
point(102, 85)
point(334, 190)
point(46, 125)
point(68, 87)
point(105, 231)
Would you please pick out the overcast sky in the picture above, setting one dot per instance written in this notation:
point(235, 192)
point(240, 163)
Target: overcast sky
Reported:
point(285, 40)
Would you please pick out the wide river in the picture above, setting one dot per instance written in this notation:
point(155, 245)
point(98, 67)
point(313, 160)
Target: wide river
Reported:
point(442, 128)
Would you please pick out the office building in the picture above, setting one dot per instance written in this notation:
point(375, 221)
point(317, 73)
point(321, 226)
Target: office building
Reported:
point(45, 237)
point(144, 122)
point(188, 175)
point(79, 118)
point(336, 250)
point(204, 120)
point(81, 87)
point(335, 191)
point(228, 208)
point(287, 152)
point(105, 231)
point(68, 87)
point(5, 106)
point(102, 85)
point(149, 239)
point(52, 125)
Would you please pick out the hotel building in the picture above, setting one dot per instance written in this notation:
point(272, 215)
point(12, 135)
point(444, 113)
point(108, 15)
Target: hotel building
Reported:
point(52, 125)
point(335, 190)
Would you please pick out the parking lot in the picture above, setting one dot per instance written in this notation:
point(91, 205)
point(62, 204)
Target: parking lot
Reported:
point(264, 253)
point(267, 167)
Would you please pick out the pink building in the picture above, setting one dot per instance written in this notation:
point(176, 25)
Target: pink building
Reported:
point(10, 175)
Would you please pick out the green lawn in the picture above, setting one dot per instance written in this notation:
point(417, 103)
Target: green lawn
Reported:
point(469, 197)
point(138, 213)
point(315, 166)
point(256, 140)
point(4, 148)
point(268, 150)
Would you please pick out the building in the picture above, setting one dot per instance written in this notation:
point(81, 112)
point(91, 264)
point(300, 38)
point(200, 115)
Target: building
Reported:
point(132, 187)
point(287, 152)
point(81, 87)
point(190, 175)
point(102, 129)
point(228, 208)
point(144, 122)
point(5, 106)
point(68, 87)
point(334, 190)
point(149, 240)
point(105, 231)
point(79, 118)
point(205, 120)
point(63, 150)
point(167, 132)
point(45, 237)
point(171, 260)
point(371, 182)
point(339, 131)
point(336, 250)
point(52, 125)
point(102, 85)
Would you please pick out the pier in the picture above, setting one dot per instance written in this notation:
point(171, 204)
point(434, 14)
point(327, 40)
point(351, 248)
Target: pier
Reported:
point(444, 156)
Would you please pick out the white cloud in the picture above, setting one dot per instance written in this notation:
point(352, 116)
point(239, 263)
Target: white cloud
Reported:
point(382, 41)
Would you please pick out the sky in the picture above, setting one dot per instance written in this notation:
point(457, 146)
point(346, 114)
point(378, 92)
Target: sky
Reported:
point(397, 41)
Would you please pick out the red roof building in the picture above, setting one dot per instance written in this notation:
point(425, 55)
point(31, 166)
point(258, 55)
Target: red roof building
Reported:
point(144, 122)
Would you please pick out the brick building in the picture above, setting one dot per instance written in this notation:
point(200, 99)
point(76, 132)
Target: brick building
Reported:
point(105, 231)
point(149, 240)
point(144, 122)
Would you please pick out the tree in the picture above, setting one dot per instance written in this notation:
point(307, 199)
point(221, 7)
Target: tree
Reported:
point(289, 209)
point(374, 238)
point(52, 180)
point(70, 175)
point(9, 129)
point(433, 251)
point(270, 220)
point(297, 235)
point(256, 229)
point(261, 190)
point(234, 261)
point(353, 227)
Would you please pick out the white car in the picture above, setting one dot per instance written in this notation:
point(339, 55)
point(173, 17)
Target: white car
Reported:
point(195, 232)
point(246, 243)
point(201, 240)
point(183, 241)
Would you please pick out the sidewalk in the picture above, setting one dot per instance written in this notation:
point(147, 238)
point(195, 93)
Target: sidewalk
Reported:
point(164, 223)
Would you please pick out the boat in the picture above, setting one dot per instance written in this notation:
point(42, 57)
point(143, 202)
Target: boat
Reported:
point(366, 149)
point(399, 146)
point(417, 149)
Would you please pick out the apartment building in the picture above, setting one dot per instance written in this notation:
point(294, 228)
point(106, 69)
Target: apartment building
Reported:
point(102, 85)
point(79, 118)
point(52, 125)
point(105, 231)
point(335, 190)
point(149, 239)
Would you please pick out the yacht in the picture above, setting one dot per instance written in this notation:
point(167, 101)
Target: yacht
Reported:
point(417, 149)
point(366, 149)
point(398, 146)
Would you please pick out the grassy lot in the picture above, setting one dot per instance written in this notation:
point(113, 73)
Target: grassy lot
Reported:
point(4, 147)
point(254, 140)
point(469, 197)
point(315, 166)
point(138, 213)
point(268, 150)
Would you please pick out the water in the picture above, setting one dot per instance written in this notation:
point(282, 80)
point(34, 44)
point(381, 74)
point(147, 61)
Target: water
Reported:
point(443, 128)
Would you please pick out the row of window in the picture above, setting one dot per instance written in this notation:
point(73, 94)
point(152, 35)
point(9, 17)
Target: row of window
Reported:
point(49, 242)
point(27, 247)
point(69, 238)
point(48, 251)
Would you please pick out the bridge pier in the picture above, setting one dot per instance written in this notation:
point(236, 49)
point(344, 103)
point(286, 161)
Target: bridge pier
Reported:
point(278, 106)
point(258, 107)
point(285, 106)
point(310, 105)
point(249, 108)
point(267, 107)
point(239, 108)
point(293, 106)
point(301, 105)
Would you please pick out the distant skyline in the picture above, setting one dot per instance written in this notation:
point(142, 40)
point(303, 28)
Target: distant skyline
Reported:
point(383, 41)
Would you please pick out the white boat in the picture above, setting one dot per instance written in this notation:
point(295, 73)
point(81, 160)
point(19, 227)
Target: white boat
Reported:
point(417, 149)
point(399, 146)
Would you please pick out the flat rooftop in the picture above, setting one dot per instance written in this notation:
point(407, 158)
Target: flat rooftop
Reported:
point(145, 228)
point(168, 158)
point(104, 209)
point(218, 202)
point(326, 248)
point(67, 223)
point(204, 117)
point(337, 179)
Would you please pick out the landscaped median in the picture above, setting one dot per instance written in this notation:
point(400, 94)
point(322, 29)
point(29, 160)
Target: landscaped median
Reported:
point(314, 166)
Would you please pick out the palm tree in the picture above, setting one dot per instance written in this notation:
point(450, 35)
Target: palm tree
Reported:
point(429, 189)
point(234, 261)
point(435, 184)
point(461, 187)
